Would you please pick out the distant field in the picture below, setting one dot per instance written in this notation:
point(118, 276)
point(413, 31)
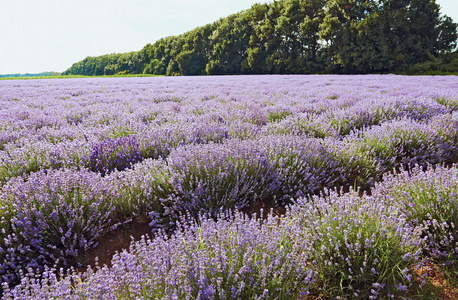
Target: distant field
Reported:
point(151, 75)
point(75, 76)
point(359, 170)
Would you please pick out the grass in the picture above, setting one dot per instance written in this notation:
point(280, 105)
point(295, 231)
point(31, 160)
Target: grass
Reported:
point(450, 273)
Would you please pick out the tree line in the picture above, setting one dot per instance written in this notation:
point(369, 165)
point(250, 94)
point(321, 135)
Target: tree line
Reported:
point(297, 37)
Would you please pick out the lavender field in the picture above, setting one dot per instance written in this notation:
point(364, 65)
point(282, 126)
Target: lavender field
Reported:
point(365, 167)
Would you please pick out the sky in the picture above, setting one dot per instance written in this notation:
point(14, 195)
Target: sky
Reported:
point(50, 35)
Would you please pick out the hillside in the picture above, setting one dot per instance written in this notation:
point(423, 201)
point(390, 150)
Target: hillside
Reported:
point(299, 37)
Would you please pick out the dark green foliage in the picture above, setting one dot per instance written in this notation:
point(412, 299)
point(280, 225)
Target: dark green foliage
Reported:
point(297, 37)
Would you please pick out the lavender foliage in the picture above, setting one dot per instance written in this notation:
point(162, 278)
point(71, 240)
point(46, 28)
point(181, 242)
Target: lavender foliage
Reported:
point(428, 200)
point(116, 154)
point(236, 257)
point(359, 247)
point(153, 149)
point(50, 219)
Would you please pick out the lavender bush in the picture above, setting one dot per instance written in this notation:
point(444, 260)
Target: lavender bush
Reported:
point(401, 143)
point(6, 138)
point(50, 219)
point(302, 167)
point(450, 103)
point(236, 257)
point(446, 127)
point(231, 175)
point(117, 154)
point(27, 157)
point(359, 247)
point(428, 200)
point(354, 168)
point(158, 142)
point(304, 124)
point(26, 162)
point(164, 147)
point(142, 193)
point(416, 109)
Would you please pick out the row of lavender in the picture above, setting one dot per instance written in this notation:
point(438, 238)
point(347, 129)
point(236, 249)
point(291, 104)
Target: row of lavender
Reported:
point(77, 160)
point(68, 123)
point(340, 247)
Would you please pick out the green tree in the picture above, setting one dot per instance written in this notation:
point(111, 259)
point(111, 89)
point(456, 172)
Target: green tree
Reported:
point(298, 36)
point(447, 39)
point(172, 69)
point(191, 63)
point(255, 61)
point(352, 30)
point(229, 42)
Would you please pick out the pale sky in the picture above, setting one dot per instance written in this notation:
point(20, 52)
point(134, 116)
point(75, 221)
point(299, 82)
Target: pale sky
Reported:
point(51, 35)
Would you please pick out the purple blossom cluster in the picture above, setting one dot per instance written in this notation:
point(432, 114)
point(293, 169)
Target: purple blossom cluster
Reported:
point(50, 219)
point(352, 241)
point(78, 156)
point(429, 201)
point(114, 154)
point(236, 257)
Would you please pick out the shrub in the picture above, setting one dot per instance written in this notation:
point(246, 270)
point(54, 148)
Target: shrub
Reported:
point(345, 121)
point(213, 176)
point(428, 200)
point(277, 115)
point(54, 217)
point(236, 257)
point(446, 127)
point(450, 103)
point(360, 248)
point(400, 143)
point(354, 167)
point(142, 192)
point(158, 142)
point(302, 166)
point(27, 160)
point(115, 154)
point(308, 124)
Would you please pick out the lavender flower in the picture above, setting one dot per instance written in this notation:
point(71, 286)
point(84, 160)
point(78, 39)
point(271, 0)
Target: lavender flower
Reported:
point(79, 155)
point(428, 200)
point(117, 154)
point(54, 218)
point(353, 241)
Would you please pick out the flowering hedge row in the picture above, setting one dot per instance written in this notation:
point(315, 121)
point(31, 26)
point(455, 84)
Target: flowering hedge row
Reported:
point(79, 157)
point(347, 246)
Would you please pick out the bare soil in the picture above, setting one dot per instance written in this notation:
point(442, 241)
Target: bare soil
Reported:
point(115, 241)
point(437, 280)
